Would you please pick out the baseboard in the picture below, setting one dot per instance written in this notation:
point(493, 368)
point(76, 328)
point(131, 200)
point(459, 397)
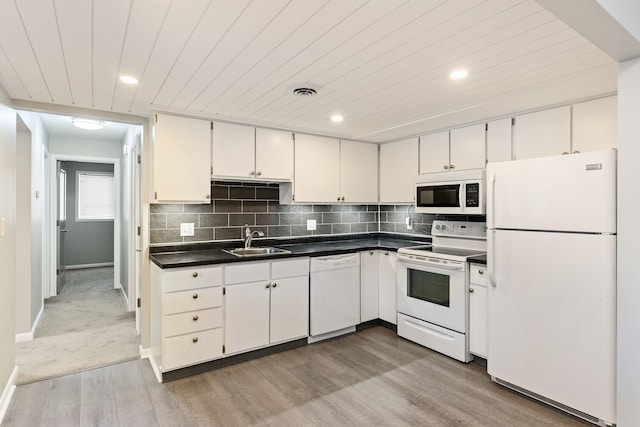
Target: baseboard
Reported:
point(7, 393)
point(28, 336)
point(145, 353)
point(124, 296)
point(81, 266)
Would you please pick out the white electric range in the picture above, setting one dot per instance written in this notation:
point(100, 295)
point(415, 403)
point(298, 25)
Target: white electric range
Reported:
point(433, 287)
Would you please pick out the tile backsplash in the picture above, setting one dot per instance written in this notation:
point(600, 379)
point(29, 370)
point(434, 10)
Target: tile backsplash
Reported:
point(236, 204)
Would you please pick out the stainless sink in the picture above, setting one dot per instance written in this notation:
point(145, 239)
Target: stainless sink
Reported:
point(244, 252)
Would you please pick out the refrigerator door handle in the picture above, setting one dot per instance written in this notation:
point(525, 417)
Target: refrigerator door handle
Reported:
point(492, 257)
point(492, 205)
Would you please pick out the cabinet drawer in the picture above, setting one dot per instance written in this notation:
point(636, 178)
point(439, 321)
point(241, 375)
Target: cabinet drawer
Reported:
point(191, 278)
point(183, 323)
point(191, 300)
point(189, 349)
point(290, 268)
point(246, 272)
point(479, 275)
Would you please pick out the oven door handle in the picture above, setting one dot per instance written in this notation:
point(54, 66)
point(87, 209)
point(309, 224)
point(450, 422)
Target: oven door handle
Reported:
point(426, 262)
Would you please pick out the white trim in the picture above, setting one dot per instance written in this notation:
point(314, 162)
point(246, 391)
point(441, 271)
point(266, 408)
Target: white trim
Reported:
point(7, 394)
point(145, 353)
point(28, 336)
point(81, 266)
point(124, 295)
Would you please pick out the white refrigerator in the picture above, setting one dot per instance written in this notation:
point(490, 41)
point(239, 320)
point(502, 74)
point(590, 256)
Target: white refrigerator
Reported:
point(551, 244)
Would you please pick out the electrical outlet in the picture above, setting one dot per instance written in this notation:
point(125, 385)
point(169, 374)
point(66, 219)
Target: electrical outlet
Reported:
point(186, 229)
point(311, 224)
point(409, 223)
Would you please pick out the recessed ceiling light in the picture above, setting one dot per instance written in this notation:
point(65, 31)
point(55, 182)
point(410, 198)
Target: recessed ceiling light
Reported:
point(337, 118)
point(458, 74)
point(87, 124)
point(129, 80)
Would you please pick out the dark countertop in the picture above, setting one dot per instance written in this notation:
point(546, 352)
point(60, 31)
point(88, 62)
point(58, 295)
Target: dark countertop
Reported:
point(174, 256)
point(478, 259)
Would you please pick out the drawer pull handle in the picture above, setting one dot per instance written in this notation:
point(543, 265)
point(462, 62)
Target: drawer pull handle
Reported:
point(195, 274)
point(195, 339)
point(195, 318)
point(194, 296)
point(480, 271)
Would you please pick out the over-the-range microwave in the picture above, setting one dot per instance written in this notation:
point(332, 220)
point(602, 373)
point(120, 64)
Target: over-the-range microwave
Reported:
point(454, 192)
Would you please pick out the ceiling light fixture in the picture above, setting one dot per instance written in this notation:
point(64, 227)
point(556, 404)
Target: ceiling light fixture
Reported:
point(459, 74)
point(87, 124)
point(129, 80)
point(337, 118)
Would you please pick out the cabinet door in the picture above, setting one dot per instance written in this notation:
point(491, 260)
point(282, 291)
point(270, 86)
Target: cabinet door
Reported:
point(595, 125)
point(369, 272)
point(434, 152)
point(398, 171)
point(289, 308)
point(478, 311)
point(543, 133)
point(317, 169)
point(499, 140)
point(358, 172)
point(233, 153)
point(387, 287)
point(274, 155)
point(246, 315)
point(467, 147)
point(181, 159)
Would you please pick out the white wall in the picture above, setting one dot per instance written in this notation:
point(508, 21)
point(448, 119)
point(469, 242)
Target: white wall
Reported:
point(628, 248)
point(7, 249)
point(84, 147)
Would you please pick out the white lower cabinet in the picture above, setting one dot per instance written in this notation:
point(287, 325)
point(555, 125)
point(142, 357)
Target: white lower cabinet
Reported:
point(478, 310)
point(265, 303)
point(369, 278)
point(387, 287)
point(186, 320)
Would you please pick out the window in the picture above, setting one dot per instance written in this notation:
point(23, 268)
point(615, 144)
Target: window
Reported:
point(96, 196)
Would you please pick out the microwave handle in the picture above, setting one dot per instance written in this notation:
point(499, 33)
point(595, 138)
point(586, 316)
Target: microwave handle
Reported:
point(463, 195)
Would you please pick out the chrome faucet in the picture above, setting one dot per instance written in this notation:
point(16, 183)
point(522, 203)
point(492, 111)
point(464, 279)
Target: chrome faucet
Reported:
point(249, 235)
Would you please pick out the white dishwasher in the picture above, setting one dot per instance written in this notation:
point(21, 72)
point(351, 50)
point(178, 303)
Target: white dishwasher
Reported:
point(334, 295)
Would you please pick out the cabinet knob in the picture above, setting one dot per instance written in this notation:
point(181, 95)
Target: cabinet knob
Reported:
point(576, 152)
point(274, 285)
point(480, 271)
point(268, 285)
point(342, 198)
point(446, 167)
point(470, 290)
point(207, 196)
point(259, 173)
point(370, 252)
point(386, 252)
point(338, 199)
point(452, 166)
point(195, 274)
point(564, 153)
point(194, 296)
point(252, 173)
point(195, 339)
point(195, 318)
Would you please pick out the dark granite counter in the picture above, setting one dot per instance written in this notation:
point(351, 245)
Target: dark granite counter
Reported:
point(479, 259)
point(174, 256)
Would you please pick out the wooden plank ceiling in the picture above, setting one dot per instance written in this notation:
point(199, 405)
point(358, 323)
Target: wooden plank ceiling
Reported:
point(382, 64)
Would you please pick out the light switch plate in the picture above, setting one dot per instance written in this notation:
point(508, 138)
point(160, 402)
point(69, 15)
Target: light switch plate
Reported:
point(186, 229)
point(311, 224)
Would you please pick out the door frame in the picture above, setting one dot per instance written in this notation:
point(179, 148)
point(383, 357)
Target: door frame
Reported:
point(51, 217)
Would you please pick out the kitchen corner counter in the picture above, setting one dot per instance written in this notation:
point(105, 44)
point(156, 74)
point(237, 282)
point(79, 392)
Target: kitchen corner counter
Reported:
point(175, 256)
point(478, 259)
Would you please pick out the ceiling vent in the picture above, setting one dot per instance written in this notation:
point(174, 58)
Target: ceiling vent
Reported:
point(305, 89)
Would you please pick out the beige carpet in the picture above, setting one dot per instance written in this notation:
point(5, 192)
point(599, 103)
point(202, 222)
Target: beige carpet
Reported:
point(86, 326)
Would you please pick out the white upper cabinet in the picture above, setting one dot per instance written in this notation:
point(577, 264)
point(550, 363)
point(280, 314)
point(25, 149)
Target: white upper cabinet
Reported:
point(467, 147)
point(233, 153)
point(458, 149)
point(330, 170)
point(543, 133)
point(358, 172)
point(246, 153)
point(181, 159)
point(398, 171)
point(595, 125)
point(434, 152)
point(499, 140)
point(274, 155)
point(317, 169)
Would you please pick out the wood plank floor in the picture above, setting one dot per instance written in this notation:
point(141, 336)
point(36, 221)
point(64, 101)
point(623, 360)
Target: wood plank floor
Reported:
point(370, 378)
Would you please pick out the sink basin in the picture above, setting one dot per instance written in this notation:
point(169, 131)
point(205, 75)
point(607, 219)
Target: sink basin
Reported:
point(243, 252)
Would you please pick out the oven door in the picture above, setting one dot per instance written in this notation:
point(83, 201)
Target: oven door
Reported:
point(435, 293)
